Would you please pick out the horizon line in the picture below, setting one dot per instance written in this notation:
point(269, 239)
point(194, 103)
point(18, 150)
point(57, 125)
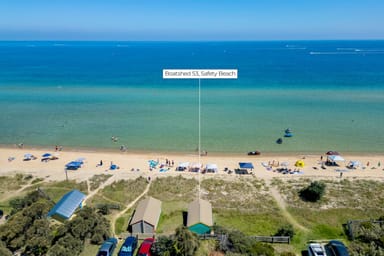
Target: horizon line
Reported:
point(218, 40)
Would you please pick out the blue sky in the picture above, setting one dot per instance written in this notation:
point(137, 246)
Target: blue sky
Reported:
point(191, 19)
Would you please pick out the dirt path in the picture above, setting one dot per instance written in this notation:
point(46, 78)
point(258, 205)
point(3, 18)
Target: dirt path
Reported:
point(109, 181)
point(281, 204)
point(116, 216)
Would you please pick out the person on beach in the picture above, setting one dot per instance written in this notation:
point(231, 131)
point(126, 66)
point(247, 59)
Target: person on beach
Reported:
point(341, 175)
point(101, 163)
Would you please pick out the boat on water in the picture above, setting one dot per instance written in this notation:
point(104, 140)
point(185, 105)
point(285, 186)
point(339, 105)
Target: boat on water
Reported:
point(288, 130)
point(315, 249)
point(288, 135)
point(279, 141)
point(254, 153)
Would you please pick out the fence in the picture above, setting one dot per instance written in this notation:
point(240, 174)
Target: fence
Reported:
point(266, 239)
point(273, 239)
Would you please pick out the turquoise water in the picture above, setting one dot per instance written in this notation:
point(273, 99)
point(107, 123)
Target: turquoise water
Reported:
point(80, 94)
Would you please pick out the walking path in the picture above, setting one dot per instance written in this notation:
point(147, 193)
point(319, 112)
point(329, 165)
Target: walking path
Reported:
point(281, 204)
point(116, 216)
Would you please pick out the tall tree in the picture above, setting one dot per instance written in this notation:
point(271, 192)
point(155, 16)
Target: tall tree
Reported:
point(186, 242)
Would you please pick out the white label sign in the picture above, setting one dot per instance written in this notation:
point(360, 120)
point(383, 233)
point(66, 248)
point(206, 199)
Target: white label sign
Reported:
point(200, 73)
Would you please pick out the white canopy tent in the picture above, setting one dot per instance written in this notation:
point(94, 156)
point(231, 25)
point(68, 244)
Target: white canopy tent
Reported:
point(195, 167)
point(354, 164)
point(335, 158)
point(211, 168)
point(182, 166)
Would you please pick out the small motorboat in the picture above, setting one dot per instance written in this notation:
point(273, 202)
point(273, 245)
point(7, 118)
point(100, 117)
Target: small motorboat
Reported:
point(288, 130)
point(288, 135)
point(254, 153)
point(279, 141)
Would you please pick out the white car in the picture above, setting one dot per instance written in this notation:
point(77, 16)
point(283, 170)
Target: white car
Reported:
point(315, 249)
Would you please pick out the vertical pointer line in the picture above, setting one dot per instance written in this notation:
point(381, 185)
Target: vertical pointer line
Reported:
point(199, 136)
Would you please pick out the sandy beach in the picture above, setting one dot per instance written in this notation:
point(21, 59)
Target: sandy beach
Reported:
point(132, 165)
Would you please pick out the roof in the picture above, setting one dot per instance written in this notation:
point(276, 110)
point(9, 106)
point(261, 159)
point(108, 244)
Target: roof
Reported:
point(200, 211)
point(147, 210)
point(67, 204)
point(246, 165)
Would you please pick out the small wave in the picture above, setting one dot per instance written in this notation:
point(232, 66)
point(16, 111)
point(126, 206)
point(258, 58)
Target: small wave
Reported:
point(356, 52)
point(346, 49)
point(295, 47)
point(333, 53)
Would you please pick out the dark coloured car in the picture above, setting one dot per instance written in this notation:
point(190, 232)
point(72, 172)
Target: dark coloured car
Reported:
point(107, 247)
point(128, 247)
point(336, 248)
point(145, 247)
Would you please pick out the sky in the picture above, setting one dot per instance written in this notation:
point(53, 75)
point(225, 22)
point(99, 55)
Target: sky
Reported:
point(185, 20)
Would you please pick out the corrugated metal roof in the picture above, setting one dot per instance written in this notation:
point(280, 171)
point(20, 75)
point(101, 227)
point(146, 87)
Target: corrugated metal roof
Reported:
point(200, 211)
point(67, 204)
point(147, 210)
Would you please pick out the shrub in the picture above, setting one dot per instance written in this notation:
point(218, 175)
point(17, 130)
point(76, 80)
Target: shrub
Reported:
point(286, 230)
point(313, 192)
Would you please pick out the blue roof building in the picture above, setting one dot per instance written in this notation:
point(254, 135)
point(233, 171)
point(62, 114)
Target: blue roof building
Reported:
point(67, 205)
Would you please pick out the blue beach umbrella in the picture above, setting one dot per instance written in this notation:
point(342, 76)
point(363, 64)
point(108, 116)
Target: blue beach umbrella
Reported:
point(28, 155)
point(47, 155)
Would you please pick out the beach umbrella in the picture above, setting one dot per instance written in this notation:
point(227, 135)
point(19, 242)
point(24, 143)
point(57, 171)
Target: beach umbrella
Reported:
point(46, 155)
point(331, 153)
point(28, 155)
point(285, 164)
point(299, 163)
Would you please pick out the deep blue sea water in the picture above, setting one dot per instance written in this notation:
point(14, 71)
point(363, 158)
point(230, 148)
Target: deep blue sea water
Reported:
point(79, 94)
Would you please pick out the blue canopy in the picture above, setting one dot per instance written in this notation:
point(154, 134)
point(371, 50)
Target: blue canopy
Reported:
point(47, 155)
point(246, 165)
point(73, 165)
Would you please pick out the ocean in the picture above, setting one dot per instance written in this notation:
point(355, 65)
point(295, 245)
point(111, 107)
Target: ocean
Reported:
point(80, 94)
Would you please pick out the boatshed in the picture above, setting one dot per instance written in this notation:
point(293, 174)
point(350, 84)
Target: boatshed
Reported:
point(67, 205)
point(200, 218)
point(146, 216)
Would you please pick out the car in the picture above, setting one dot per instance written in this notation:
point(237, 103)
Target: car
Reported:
point(145, 247)
point(107, 247)
point(315, 249)
point(336, 248)
point(128, 247)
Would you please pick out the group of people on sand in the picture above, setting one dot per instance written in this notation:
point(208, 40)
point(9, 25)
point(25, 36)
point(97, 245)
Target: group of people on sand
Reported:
point(169, 163)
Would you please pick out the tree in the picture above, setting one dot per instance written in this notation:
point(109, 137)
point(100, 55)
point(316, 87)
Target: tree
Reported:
point(4, 250)
point(286, 230)
point(313, 192)
point(186, 242)
point(164, 246)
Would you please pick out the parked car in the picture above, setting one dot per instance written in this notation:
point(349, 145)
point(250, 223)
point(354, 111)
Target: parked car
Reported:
point(107, 247)
point(315, 249)
point(336, 248)
point(145, 247)
point(128, 247)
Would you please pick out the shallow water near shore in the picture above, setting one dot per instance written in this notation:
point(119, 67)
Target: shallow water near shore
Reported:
point(80, 94)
